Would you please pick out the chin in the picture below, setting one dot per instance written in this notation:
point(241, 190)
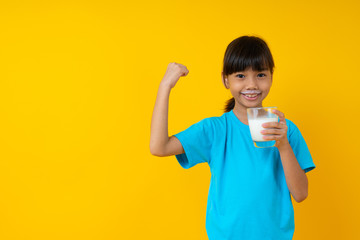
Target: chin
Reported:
point(251, 105)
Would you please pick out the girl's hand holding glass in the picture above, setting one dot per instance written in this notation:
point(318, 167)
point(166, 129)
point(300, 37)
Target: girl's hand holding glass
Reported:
point(278, 131)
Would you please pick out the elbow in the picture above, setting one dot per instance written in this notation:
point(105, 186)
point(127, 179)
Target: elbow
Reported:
point(301, 198)
point(157, 154)
point(155, 151)
point(302, 193)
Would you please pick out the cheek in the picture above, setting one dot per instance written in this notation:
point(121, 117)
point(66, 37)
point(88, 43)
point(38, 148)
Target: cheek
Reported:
point(234, 92)
point(237, 86)
point(265, 85)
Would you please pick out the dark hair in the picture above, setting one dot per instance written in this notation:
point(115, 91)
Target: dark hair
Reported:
point(244, 52)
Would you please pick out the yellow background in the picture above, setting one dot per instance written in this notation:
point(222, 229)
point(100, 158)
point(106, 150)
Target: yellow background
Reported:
point(78, 83)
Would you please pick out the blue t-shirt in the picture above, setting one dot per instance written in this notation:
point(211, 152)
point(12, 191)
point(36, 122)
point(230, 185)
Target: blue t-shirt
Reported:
point(248, 196)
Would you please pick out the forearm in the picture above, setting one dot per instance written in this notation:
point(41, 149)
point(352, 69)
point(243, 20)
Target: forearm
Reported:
point(296, 178)
point(159, 123)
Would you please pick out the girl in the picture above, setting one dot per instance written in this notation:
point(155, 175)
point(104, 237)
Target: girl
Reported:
point(249, 196)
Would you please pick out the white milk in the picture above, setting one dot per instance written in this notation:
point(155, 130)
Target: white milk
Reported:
point(255, 128)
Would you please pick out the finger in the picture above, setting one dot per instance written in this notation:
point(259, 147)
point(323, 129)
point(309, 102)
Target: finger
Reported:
point(272, 131)
point(272, 125)
point(280, 114)
point(277, 112)
point(272, 137)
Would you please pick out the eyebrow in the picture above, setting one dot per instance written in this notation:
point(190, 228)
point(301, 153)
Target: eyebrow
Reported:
point(261, 70)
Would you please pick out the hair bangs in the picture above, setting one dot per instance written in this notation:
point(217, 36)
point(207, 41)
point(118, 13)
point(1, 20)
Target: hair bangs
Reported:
point(247, 57)
point(254, 61)
point(247, 52)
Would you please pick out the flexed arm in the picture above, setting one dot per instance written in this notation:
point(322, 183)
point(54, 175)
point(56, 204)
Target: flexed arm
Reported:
point(160, 142)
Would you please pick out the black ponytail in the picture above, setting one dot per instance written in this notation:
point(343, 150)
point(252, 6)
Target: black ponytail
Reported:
point(230, 104)
point(244, 52)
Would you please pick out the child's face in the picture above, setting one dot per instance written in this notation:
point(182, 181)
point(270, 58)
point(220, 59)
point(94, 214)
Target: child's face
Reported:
point(249, 81)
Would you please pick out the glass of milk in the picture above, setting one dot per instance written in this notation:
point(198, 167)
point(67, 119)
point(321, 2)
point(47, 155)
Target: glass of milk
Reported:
point(256, 117)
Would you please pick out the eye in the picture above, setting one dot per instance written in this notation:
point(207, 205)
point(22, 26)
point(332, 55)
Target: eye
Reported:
point(261, 75)
point(241, 75)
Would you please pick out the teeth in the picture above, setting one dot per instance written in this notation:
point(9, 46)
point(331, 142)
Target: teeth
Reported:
point(251, 96)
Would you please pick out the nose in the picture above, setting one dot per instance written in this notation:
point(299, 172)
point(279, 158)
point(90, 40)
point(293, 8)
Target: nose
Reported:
point(251, 83)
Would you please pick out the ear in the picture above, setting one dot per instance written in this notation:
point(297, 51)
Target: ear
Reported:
point(224, 80)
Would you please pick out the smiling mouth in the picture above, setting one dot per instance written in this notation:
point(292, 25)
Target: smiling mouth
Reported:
point(251, 96)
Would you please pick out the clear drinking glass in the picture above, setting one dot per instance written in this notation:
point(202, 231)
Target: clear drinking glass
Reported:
point(256, 117)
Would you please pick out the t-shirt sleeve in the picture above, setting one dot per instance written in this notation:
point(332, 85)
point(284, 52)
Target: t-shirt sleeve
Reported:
point(196, 141)
point(299, 146)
